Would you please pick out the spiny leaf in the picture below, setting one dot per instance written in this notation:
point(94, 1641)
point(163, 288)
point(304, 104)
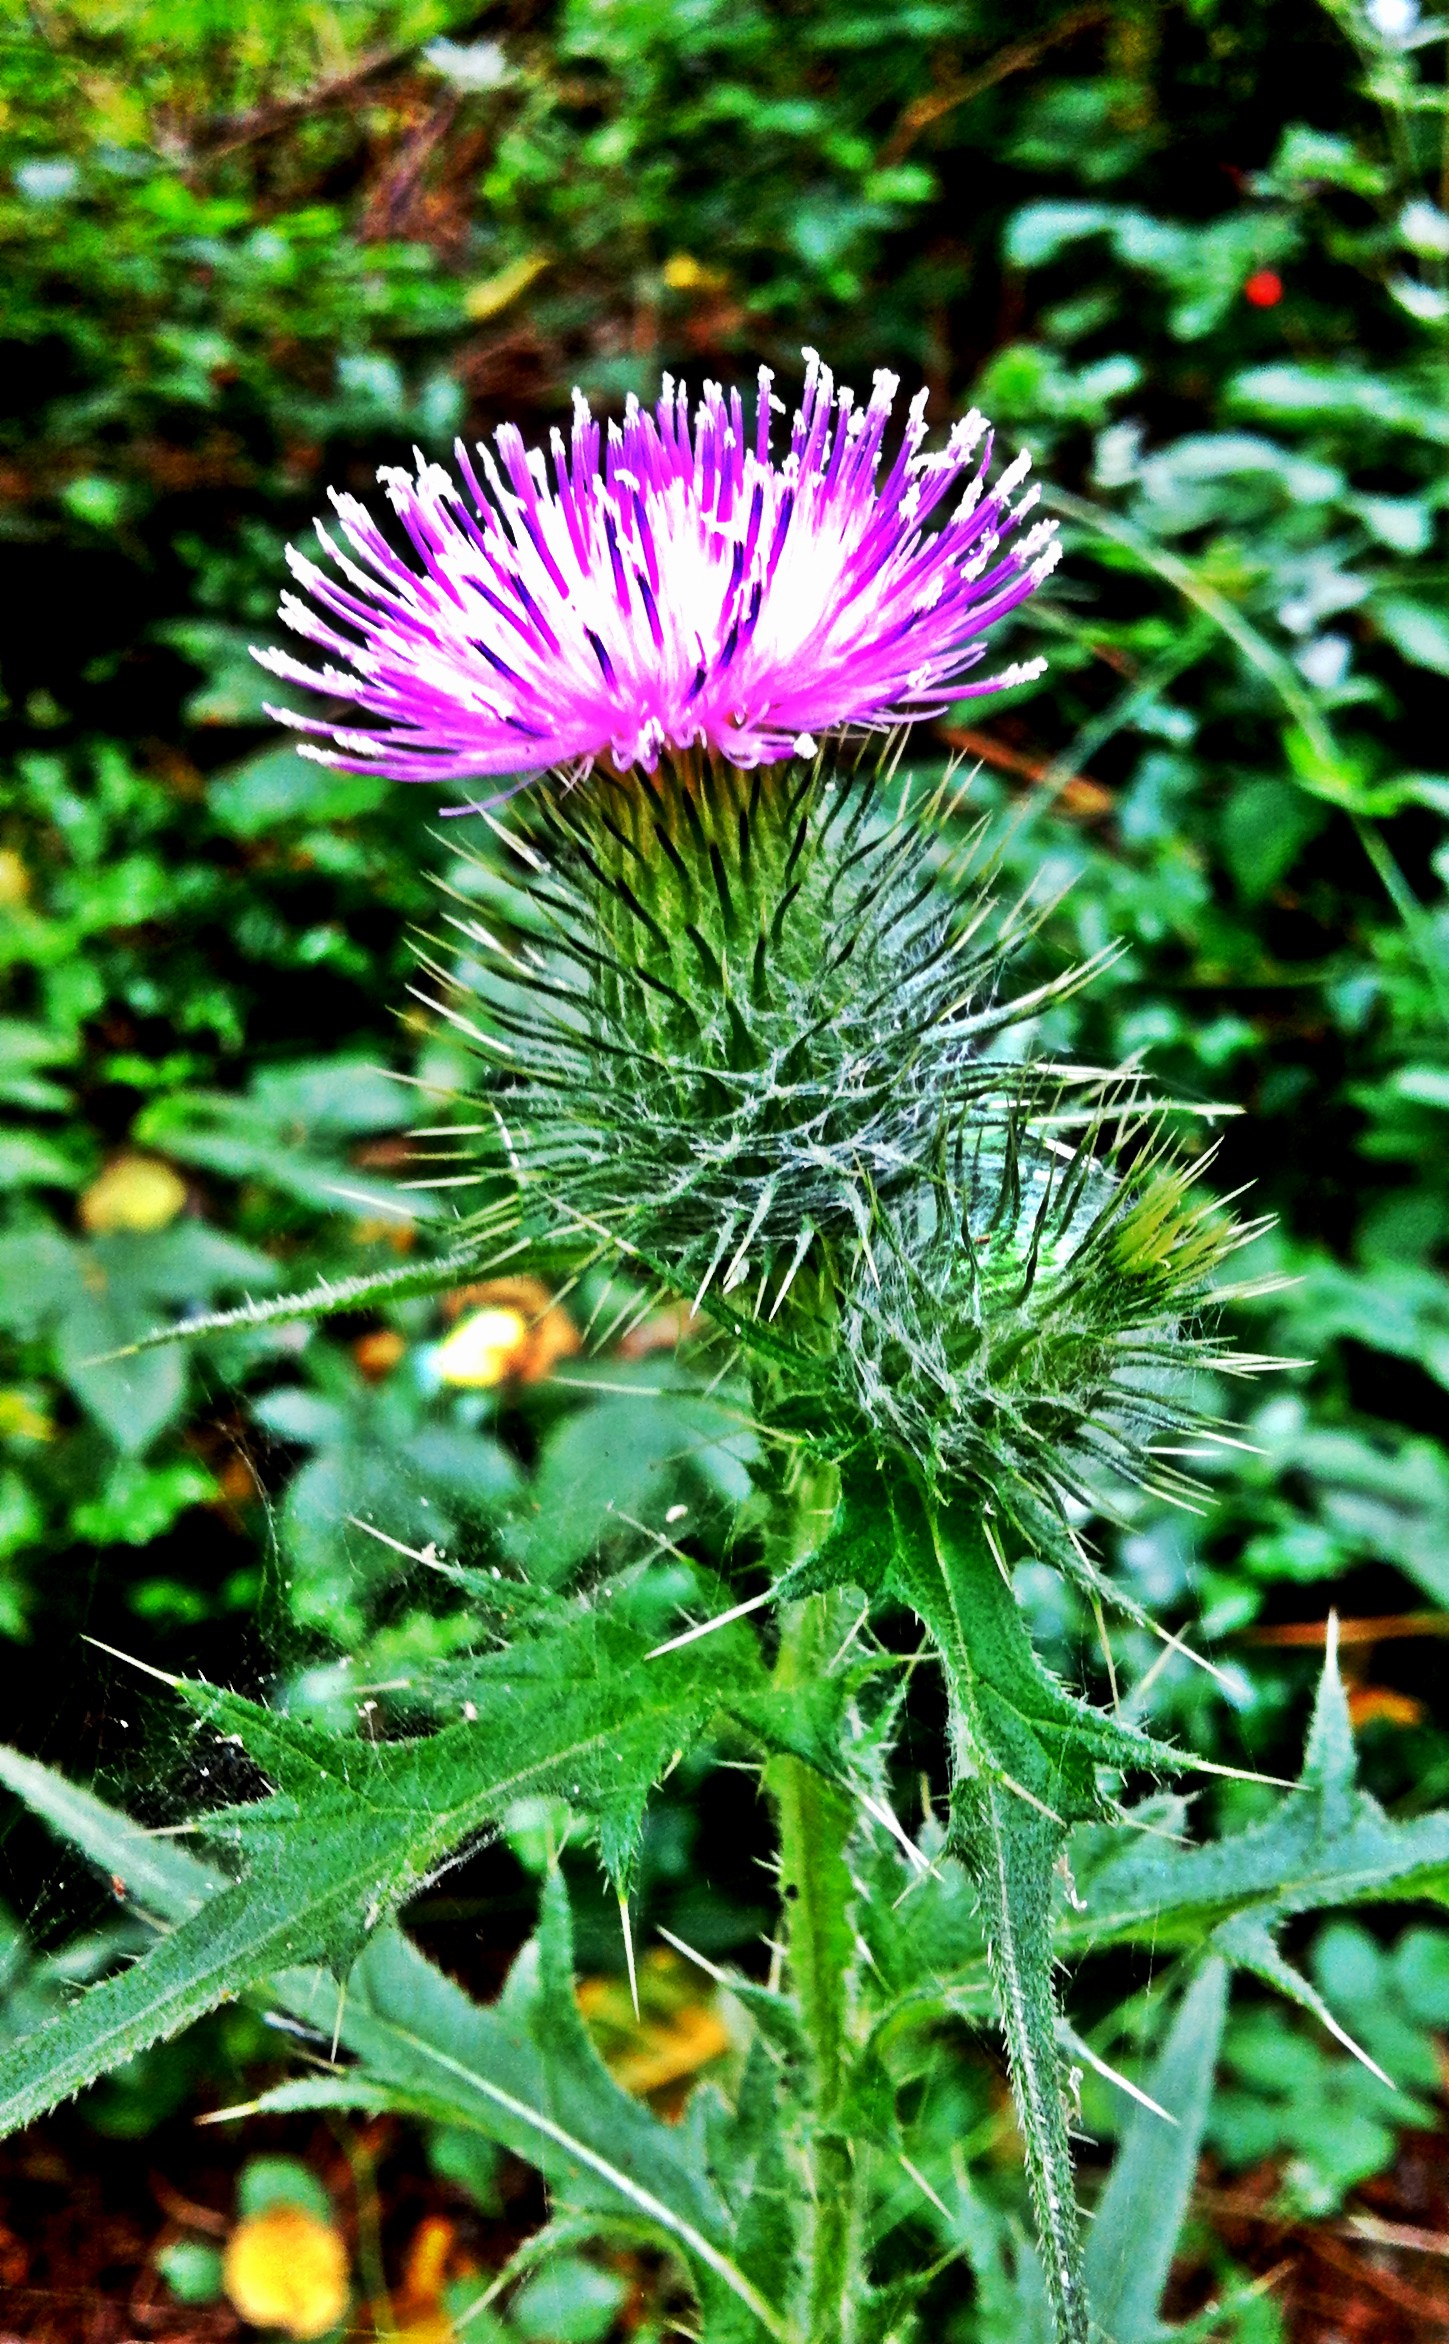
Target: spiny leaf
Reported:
point(1326, 1844)
point(1246, 1941)
point(523, 2072)
point(356, 1826)
point(1023, 1766)
point(1019, 1723)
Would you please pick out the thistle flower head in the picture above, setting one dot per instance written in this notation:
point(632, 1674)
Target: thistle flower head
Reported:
point(668, 587)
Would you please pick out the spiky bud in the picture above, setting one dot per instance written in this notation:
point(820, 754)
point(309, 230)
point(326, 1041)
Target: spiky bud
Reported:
point(758, 1055)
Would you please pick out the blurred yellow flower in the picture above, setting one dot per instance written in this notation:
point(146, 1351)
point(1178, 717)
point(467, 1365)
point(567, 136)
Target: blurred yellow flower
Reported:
point(14, 879)
point(515, 1335)
point(134, 1192)
point(684, 274)
point(379, 1353)
point(287, 2269)
point(482, 1347)
point(421, 2315)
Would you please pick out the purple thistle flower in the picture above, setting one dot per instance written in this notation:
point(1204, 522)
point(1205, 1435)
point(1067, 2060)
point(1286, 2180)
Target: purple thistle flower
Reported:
point(690, 593)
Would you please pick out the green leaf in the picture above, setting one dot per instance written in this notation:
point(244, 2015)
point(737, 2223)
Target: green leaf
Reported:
point(22, 1049)
point(378, 1459)
point(135, 1399)
point(100, 1299)
point(29, 1161)
point(38, 1275)
point(266, 2182)
point(623, 1457)
point(280, 787)
point(1327, 1844)
point(158, 1873)
point(354, 1826)
point(1139, 2215)
point(1419, 631)
point(525, 2074)
point(858, 1547)
point(191, 2270)
point(140, 1502)
point(1388, 1499)
point(322, 1299)
point(1265, 826)
point(123, 1280)
point(571, 2302)
point(1340, 394)
point(288, 1132)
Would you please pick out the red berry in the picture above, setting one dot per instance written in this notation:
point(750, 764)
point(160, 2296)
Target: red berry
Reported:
point(1264, 289)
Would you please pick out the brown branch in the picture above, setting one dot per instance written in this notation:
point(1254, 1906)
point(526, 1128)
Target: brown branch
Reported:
point(1016, 57)
point(208, 143)
point(1387, 1629)
point(390, 203)
point(1402, 2236)
point(1079, 793)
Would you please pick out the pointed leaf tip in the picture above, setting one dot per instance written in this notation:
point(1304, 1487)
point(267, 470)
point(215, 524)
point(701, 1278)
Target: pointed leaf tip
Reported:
point(1330, 1762)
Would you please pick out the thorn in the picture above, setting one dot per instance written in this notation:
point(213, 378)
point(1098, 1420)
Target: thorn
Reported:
point(1019, 1790)
point(889, 1821)
point(625, 1925)
point(710, 1969)
point(707, 1627)
point(1175, 1644)
point(428, 1555)
point(1081, 2050)
point(1105, 1643)
point(382, 1204)
point(1342, 2035)
point(1274, 1782)
point(803, 1248)
point(924, 2186)
point(161, 1675)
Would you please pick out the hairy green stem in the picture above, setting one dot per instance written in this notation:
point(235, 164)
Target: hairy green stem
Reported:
point(814, 1822)
point(1021, 1762)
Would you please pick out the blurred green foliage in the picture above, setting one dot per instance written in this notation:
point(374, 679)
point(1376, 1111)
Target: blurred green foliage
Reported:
point(1196, 255)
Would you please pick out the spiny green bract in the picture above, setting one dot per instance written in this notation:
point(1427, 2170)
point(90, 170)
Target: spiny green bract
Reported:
point(760, 993)
point(759, 1053)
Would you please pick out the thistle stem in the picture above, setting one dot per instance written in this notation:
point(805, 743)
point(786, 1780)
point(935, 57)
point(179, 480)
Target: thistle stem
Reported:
point(814, 1821)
